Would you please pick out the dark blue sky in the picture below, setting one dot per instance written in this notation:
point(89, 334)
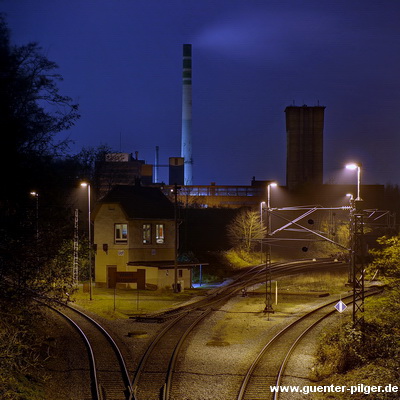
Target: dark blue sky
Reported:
point(121, 61)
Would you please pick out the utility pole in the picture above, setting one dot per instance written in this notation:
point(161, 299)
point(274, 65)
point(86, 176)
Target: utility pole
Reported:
point(268, 282)
point(357, 260)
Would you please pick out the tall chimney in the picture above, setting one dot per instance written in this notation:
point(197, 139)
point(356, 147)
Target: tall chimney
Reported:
point(186, 145)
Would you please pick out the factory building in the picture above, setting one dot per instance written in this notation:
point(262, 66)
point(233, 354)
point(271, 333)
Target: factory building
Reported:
point(121, 169)
point(304, 157)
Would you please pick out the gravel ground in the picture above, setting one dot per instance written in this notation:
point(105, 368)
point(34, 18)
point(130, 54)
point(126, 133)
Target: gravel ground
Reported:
point(221, 349)
point(211, 364)
point(67, 364)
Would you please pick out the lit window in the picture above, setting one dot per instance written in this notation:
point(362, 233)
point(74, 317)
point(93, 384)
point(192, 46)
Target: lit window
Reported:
point(121, 233)
point(160, 233)
point(146, 233)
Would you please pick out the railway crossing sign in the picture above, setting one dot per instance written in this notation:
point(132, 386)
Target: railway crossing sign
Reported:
point(340, 306)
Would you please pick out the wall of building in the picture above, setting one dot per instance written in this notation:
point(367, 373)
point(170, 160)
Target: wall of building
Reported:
point(110, 253)
point(166, 278)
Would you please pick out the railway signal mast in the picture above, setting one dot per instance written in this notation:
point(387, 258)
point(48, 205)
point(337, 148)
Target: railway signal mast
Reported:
point(75, 266)
point(357, 251)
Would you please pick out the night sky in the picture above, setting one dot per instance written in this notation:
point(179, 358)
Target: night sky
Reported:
point(122, 62)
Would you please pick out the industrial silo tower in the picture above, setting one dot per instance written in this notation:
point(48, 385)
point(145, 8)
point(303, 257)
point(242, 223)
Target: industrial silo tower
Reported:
point(304, 157)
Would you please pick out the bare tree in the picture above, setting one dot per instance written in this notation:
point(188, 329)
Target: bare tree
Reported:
point(32, 113)
point(245, 229)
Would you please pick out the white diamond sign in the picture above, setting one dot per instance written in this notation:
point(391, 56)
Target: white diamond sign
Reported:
point(340, 306)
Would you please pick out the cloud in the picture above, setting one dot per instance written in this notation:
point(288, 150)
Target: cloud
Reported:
point(266, 36)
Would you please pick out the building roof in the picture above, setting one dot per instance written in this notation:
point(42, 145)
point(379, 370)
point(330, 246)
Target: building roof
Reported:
point(140, 202)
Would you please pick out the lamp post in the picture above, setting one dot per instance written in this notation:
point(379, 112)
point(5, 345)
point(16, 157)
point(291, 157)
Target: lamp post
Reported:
point(262, 204)
point(352, 167)
point(351, 232)
point(268, 284)
point(85, 184)
point(272, 184)
point(36, 195)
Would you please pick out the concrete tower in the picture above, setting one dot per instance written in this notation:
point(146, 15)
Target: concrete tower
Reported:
point(304, 157)
point(186, 145)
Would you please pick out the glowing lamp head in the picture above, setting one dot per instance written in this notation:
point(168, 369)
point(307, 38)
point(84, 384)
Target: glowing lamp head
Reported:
point(273, 184)
point(352, 166)
point(84, 184)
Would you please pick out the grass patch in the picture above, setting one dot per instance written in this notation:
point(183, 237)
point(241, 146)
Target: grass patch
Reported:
point(240, 258)
point(21, 387)
point(332, 282)
point(129, 301)
point(347, 357)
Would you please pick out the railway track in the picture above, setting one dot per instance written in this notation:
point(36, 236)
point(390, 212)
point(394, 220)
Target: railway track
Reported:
point(154, 374)
point(267, 370)
point(153, 377)
point(252, 276)
point(109, 376)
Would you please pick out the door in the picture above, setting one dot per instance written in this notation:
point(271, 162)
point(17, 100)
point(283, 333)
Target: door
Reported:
point(111, 276)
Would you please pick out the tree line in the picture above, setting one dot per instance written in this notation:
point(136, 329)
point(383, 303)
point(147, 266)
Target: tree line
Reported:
point(35, 230)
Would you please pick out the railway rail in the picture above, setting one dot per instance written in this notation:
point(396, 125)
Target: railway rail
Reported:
point(267, 371)
point(110, 378)
point(154, 373)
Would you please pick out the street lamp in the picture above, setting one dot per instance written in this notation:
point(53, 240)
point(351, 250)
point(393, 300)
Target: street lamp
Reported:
point(272, 184)
point(85, 184)
point(352, 167)
point(268, 284)
point(36, 195)
point(351, 198)
point(351, 231)
point(262, 205)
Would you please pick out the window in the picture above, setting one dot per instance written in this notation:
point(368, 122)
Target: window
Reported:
point(121, 233)
point(160, 233)
point(146, 233)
